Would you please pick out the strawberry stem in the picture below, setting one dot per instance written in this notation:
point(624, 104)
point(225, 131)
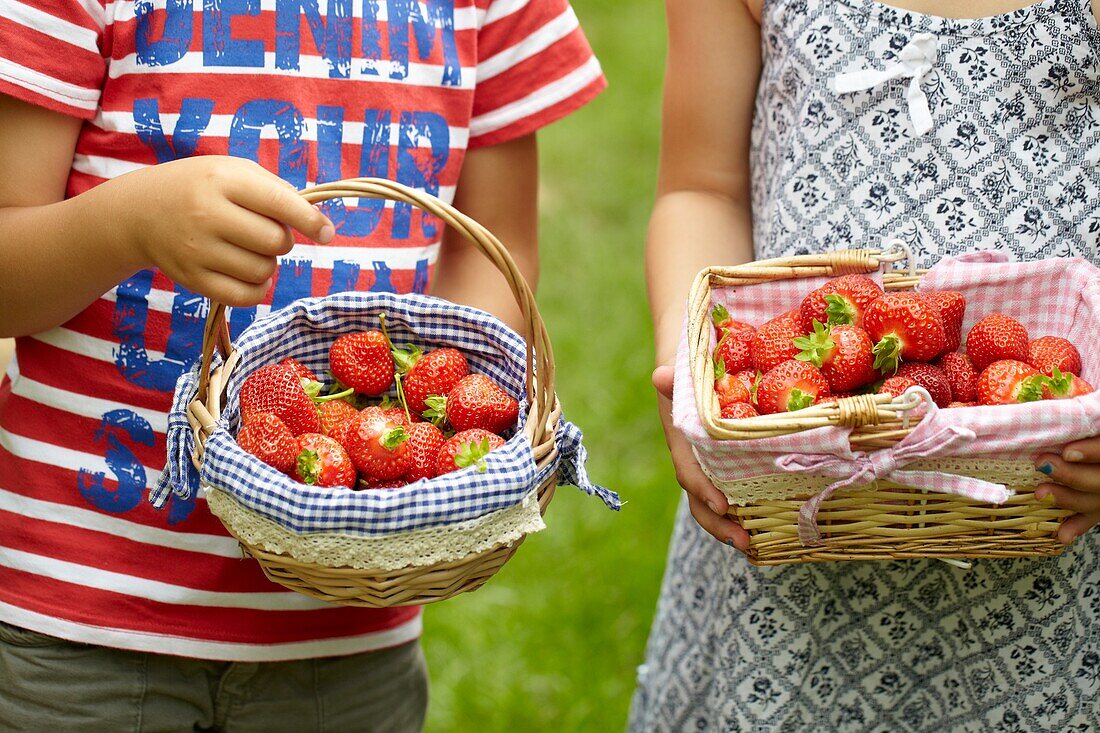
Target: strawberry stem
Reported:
point(335, 396)
point(308, 467)
point(719, 315)
point(815, 347)
point(393, 438)
point(798, 400)
point(888, 354)
point(838, 310)
point(396, 373)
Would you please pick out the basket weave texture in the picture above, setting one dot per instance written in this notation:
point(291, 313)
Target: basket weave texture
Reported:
point(911, 496)
point(412, 545)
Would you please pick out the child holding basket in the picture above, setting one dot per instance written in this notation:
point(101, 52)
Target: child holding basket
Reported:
point(150, 153)
point(795, 127)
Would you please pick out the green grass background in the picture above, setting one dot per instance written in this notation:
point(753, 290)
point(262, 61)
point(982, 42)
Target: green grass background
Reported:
point(551, 643)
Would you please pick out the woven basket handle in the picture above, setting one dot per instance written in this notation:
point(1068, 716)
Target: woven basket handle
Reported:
point(540, 356)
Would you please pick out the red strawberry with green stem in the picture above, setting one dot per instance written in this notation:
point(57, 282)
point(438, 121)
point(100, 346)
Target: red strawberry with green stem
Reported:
point(722, 321)
point(1063, 386)
point(1008, 382)
point(277, 389)
point(792, 385)
point(1048, 353)
point(842, 353)
point(749, 378)
point(269, 439)
point(952, 307)
point(734, 349)
point(434, 373)
point(996, 338)
point(378, 445)
point(363, 362)
point(842, 301)
point(467, 448)
point(425, 440)
point(904, 327)
point(961, 375)
point(322, 461)
point(474, 402)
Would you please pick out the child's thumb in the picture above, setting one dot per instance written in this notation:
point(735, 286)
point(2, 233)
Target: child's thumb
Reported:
point(662, 380)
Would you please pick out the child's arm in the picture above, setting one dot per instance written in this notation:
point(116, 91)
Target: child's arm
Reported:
point(498, 188)
point(212, 224)
point(702, 215)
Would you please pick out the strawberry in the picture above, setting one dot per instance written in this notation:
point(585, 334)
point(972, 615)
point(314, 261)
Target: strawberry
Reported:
point(1007, 382)
point(904, 328)
point(738, 411)
point(475, 402)
point(996, 338)
point(467, 448)
point(722, 321)
point(434, 373)
point(333, 413)
point(300, 369)
point(931, 378)
point(774, 341)
point(842, 353)
point(792, 385)
point(1064, 386)
point(277, 389)
point(840, 301)
point(323, 462)
point(896, 386)
point(735, 348)
point(961, 375)
point(269, 439)
point(363, 362)
point(952, 307)
point(749, 378)
point(730, 389)
point(399, 416)
point(378, 445)
point(1049, 352)
point(342, 430)
point(425, 440)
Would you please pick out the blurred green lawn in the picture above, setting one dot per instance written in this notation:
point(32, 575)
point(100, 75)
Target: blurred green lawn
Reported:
point(551, 643)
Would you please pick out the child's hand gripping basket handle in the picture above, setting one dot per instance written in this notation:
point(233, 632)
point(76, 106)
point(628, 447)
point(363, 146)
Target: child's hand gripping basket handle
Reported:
point(206, 407)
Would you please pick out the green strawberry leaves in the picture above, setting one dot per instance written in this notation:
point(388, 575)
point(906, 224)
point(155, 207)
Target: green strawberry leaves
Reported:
point(816, 347)
point(309, 467)
point(798, 400)
point(719, 315)
point(1060, 384)
point(838, 310)
point(473, 453)
point(437, 410)
point(719, 369)
point(393, 438)
point(888, 354)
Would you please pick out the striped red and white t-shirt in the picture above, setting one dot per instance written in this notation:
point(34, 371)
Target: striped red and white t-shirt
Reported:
point(316, 90)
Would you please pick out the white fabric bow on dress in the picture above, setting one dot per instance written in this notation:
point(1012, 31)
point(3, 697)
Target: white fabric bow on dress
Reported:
point(926, 441)
point(914, 61)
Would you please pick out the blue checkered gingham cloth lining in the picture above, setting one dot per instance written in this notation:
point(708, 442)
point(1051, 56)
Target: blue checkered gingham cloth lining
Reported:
point(304, 330)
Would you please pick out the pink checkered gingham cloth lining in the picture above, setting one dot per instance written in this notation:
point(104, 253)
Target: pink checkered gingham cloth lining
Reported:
point(1050, 297)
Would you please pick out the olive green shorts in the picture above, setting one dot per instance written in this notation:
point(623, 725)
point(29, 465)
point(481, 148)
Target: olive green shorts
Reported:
point(55, 686)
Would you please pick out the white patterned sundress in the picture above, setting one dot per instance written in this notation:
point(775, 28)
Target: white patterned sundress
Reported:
point(996, 144)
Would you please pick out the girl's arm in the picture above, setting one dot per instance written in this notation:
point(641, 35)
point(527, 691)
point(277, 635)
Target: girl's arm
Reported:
point(498, 188)
point(702, 215)
point(213, 224)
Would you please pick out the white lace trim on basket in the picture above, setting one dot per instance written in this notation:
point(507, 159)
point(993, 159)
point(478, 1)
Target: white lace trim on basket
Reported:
point(418, 548)
point(785, 486)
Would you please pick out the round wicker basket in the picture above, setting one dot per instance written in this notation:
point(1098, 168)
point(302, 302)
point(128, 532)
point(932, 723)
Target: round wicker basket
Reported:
point(412, 585)
point(882, 520)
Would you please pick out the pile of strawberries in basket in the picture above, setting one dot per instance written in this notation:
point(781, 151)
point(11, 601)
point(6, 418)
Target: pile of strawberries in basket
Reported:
point(445, 418)
point(849, 337)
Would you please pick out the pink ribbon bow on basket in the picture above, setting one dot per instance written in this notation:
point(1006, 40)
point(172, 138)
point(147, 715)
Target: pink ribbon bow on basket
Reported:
point(927, 440)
